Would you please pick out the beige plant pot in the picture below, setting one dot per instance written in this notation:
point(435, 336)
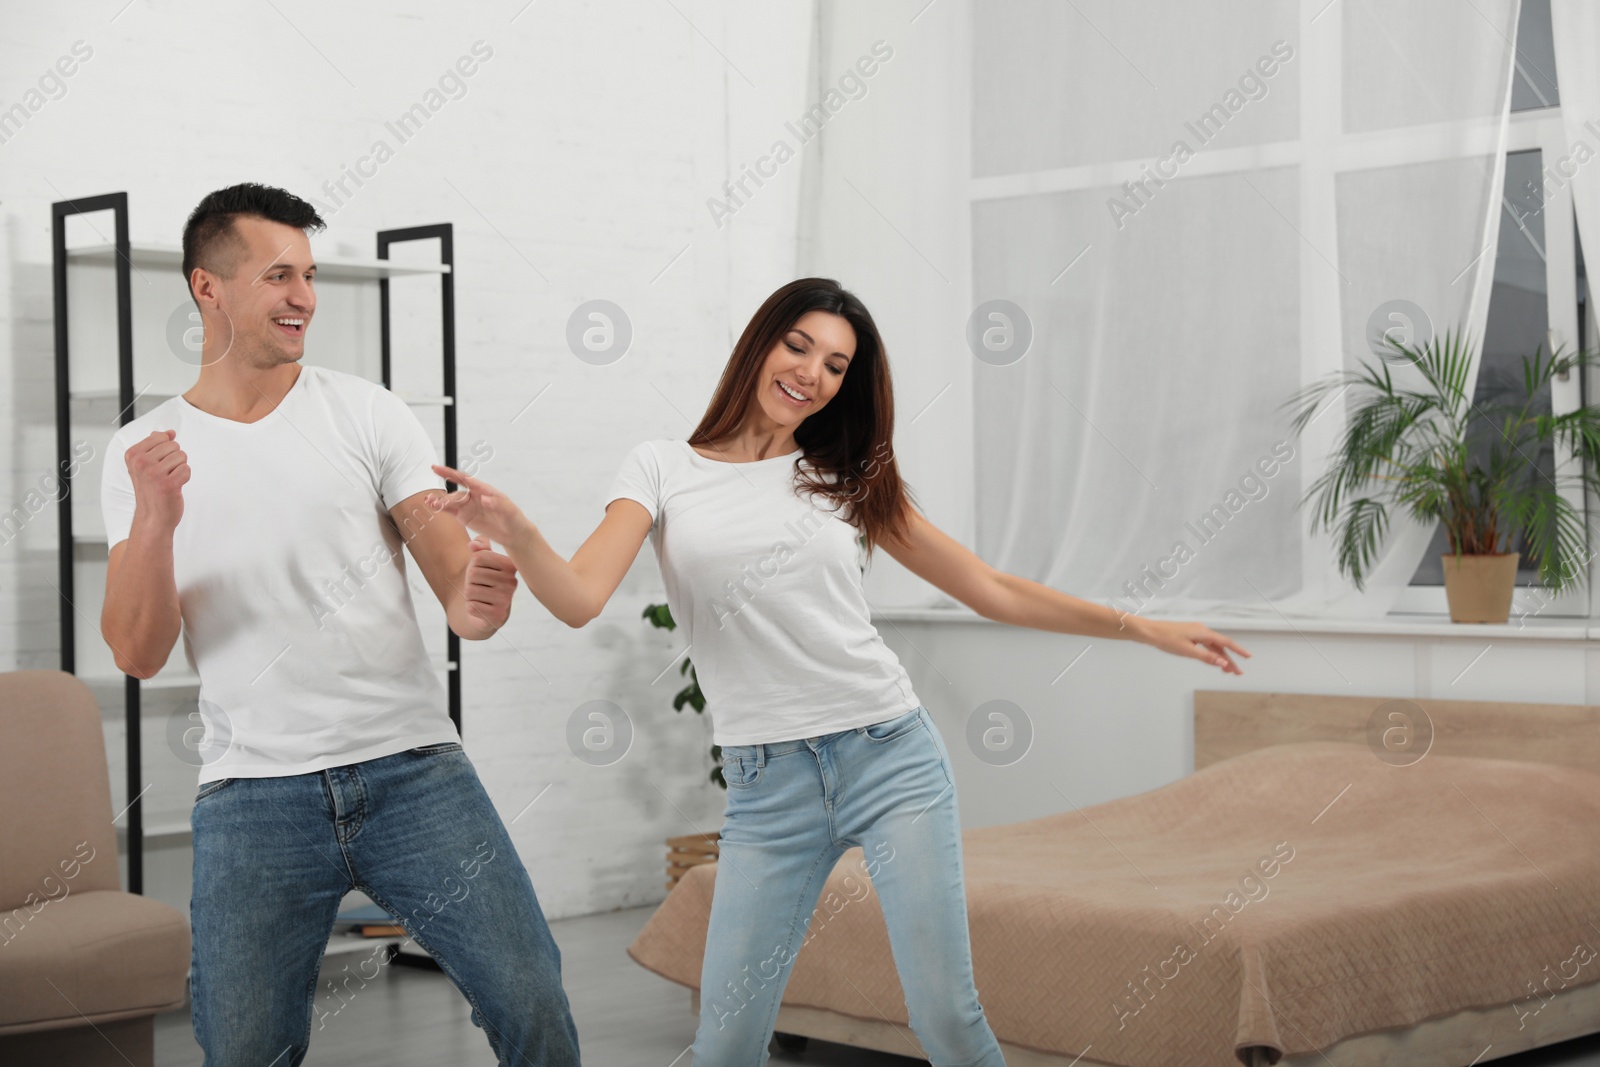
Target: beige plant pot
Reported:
point(1479, 588)
point(690, 850)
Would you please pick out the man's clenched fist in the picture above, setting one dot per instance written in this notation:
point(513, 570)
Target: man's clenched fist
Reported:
point(159, 470)
point(491, 581)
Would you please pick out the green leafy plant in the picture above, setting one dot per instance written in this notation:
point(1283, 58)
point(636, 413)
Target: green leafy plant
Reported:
point(1426, 447)
point(660, 616)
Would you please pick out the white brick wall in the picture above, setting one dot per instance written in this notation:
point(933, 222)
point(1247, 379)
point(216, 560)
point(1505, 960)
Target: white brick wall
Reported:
point(583, 150)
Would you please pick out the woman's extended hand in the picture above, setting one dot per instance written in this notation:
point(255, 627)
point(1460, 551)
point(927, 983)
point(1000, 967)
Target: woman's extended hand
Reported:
point(1195, 640)
point(479, 506)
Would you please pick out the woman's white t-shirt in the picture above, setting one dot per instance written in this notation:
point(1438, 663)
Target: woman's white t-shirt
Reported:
point(765, 583)
point(291, 576)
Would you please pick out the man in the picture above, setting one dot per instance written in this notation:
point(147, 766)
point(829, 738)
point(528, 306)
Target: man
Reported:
point(262, 513)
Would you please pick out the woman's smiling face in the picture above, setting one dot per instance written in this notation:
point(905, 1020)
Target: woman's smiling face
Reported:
point(805, 368)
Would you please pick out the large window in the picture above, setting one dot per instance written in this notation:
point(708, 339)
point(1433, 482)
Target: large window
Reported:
point(1182, 268)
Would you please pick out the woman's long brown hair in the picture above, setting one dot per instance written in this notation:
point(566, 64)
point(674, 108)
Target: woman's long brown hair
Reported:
point(849, 443)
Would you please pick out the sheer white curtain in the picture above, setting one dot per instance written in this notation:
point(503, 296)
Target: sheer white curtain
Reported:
point(884, 210)
point(1575, 28)
point(1197, 209)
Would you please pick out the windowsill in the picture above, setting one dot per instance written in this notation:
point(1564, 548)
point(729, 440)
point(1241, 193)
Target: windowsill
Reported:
point(1395, 625)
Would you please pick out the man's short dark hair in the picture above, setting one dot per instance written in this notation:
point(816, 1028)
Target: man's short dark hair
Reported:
point(210, 227)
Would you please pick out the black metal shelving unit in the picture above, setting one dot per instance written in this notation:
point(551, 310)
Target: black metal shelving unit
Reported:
point(123, 264)
point(444, 233)
point(123, 253)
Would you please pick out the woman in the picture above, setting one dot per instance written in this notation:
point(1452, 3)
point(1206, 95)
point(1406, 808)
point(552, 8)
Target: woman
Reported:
point(825, 746)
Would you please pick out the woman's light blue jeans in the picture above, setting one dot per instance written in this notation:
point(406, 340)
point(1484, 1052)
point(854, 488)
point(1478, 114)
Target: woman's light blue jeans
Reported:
point(794, 807)
point(417, 833)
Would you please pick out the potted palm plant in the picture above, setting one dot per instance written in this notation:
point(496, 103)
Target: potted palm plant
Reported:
point(1416, 440)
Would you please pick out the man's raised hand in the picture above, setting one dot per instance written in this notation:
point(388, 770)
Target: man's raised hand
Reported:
point(159, 470)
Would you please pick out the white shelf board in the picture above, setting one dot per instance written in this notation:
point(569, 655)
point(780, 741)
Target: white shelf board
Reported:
point(101, 395)
point(337, 268)
point(96, 395)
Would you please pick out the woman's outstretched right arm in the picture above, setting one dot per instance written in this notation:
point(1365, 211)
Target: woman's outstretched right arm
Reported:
point(572, 590)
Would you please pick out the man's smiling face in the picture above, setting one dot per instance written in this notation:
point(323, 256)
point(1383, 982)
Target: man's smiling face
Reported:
point(262, 281)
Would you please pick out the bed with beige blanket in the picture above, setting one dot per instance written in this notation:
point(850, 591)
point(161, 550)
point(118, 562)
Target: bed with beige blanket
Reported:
point(1297, 898)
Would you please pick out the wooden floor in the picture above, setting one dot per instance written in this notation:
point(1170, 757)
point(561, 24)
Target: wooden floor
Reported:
point(626, 1016)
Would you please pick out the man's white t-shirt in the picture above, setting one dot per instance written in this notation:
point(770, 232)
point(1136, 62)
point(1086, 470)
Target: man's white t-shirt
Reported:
point(292, 578)
point(765, 583)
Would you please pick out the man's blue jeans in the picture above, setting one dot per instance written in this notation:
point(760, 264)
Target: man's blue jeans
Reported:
point(793, 809)
point(416, 832)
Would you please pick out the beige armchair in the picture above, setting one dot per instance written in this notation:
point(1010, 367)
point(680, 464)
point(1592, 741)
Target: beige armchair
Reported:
point(84, 966)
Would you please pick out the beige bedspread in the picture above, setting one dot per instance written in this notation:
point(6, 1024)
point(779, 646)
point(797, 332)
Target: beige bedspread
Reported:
point(1286, 898)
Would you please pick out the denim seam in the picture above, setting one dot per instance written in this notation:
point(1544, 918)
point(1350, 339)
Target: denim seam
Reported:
point(975, 1063)
point(738, 765)
point(333, 802)
point(361, 806)
point(196, 1016)
point(311, 990)
point(345, 834)
point(939, 751)
point(794, 931)
point(211, 787)
point(827, 798)
point(902, 732)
